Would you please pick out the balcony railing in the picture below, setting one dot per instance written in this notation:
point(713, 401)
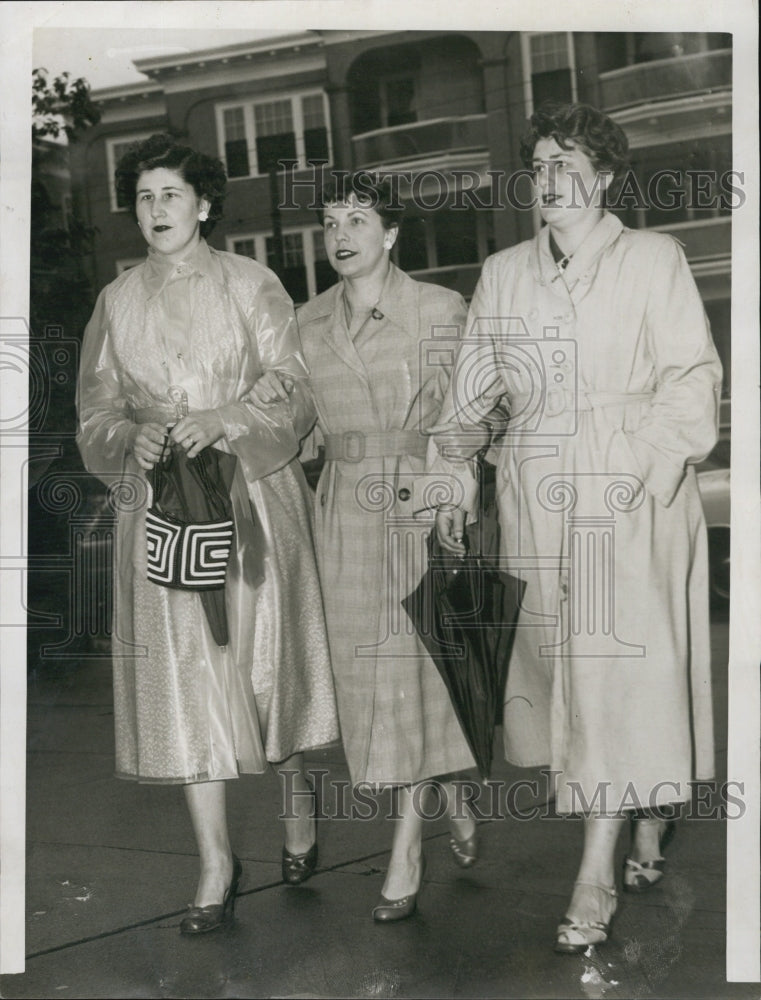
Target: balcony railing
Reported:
point(460, 278)
point(704, 239)
point(663, 78)
point(420, 140)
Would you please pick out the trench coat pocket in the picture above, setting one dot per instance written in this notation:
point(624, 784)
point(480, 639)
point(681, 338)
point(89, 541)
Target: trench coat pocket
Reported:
point(660, 476)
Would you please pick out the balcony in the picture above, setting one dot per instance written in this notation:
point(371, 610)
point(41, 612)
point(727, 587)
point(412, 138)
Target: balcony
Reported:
point(419, 142)
point(703, 72)
point(460, 278)
point(704, 239)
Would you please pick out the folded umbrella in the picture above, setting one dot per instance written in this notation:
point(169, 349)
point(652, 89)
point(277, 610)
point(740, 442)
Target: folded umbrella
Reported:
point(465, 610)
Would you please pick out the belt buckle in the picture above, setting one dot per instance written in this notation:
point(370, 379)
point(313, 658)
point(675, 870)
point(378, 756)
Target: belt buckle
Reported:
point(555, 402)
point(349, 438)
point(178, 397)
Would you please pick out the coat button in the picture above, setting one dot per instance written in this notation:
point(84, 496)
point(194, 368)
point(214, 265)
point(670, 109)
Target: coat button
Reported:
point(322, 499)
point(404, 493)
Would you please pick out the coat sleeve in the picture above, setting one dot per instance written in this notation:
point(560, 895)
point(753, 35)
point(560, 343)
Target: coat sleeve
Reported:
point(682, 425)
point(469, 405)
point(267, 437)
point(105, 430)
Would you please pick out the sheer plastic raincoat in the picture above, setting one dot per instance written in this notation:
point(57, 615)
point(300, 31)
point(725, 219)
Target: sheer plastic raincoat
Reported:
point(185, 708)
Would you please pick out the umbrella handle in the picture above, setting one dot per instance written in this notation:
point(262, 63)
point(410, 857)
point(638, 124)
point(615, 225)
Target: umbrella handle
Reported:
point(157, 476)
point(211, 487)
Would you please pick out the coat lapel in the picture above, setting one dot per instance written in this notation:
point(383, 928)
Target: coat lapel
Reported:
point(572, 284)
point(332, 329)
point(584, 261)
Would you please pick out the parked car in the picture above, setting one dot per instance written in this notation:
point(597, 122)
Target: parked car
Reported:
point(713, 482)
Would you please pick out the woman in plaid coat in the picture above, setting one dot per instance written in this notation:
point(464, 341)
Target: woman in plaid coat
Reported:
point(378, 380)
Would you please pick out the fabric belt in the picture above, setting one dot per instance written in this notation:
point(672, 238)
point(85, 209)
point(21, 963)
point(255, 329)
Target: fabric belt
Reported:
point(353, 446)
point(154, 415)
point(558, 400)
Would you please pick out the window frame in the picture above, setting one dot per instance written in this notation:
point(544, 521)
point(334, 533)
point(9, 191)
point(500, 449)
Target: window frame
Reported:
point(111, 161)
point(297, 115)
point(260, 237)
point(528, 90)
point(383, 94)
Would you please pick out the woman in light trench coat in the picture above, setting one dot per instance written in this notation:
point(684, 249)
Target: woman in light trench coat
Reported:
point(596, 337)
point(377, 387)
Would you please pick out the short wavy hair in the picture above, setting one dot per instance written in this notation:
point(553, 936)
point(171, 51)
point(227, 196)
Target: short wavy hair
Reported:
point(368, 187)
point(205, 174)
point(594, 132)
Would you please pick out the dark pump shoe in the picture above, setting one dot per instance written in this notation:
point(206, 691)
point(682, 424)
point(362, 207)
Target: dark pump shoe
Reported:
point(297, 868)
point(202, 919)
point(464, 852)
point(394, 909)
point(398, 909)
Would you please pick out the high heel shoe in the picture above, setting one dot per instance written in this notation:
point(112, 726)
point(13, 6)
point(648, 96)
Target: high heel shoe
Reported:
point(464, 852)
point(202, 919)
point(398, 909)
point(639, 876)
point(297, 868)
point(575, 936)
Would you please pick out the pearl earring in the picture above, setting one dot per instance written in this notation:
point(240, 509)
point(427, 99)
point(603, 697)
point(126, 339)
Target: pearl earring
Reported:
point(203, 215)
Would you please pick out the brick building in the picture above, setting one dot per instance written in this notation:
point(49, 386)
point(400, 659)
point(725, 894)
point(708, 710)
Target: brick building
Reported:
point(445, 110)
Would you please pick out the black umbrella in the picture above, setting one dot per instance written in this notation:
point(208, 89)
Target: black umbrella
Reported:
point(197, 491)
point(465, 610)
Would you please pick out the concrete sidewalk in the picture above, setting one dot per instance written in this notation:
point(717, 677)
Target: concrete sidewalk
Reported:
point(112, 866)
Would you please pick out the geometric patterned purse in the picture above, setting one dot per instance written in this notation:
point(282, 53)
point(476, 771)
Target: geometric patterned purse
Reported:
point(189, 529)
point(187, 556)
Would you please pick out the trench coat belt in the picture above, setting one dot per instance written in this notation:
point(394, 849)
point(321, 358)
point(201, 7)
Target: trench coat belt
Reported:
point(154, 415)
point(558, 400)
point(353, 446)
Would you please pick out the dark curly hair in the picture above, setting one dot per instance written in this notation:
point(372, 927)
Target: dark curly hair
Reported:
point(594, 132)
point(369, 187)
point(205, 174)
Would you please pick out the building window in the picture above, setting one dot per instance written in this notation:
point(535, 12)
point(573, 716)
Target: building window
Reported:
point(256, 136)
point(677, 182)
point(306, 269)
point(315, 127)
point(550, 62)
point(115, 150)
point(294, 271)
point(236, 144)
point(246, 248)
point(412, 246)
point(397, 100)
point(324, 275)
point(445, 238)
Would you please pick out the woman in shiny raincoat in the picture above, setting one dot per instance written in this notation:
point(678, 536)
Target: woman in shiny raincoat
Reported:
point(205, 325)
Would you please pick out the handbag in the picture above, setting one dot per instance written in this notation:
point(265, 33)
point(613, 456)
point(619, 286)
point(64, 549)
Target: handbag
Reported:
point(189, 528)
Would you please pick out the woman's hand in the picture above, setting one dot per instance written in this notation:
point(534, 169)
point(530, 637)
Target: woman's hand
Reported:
point(272, 388)
point(148, 444)
point(450, 529)
point(197, 430)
